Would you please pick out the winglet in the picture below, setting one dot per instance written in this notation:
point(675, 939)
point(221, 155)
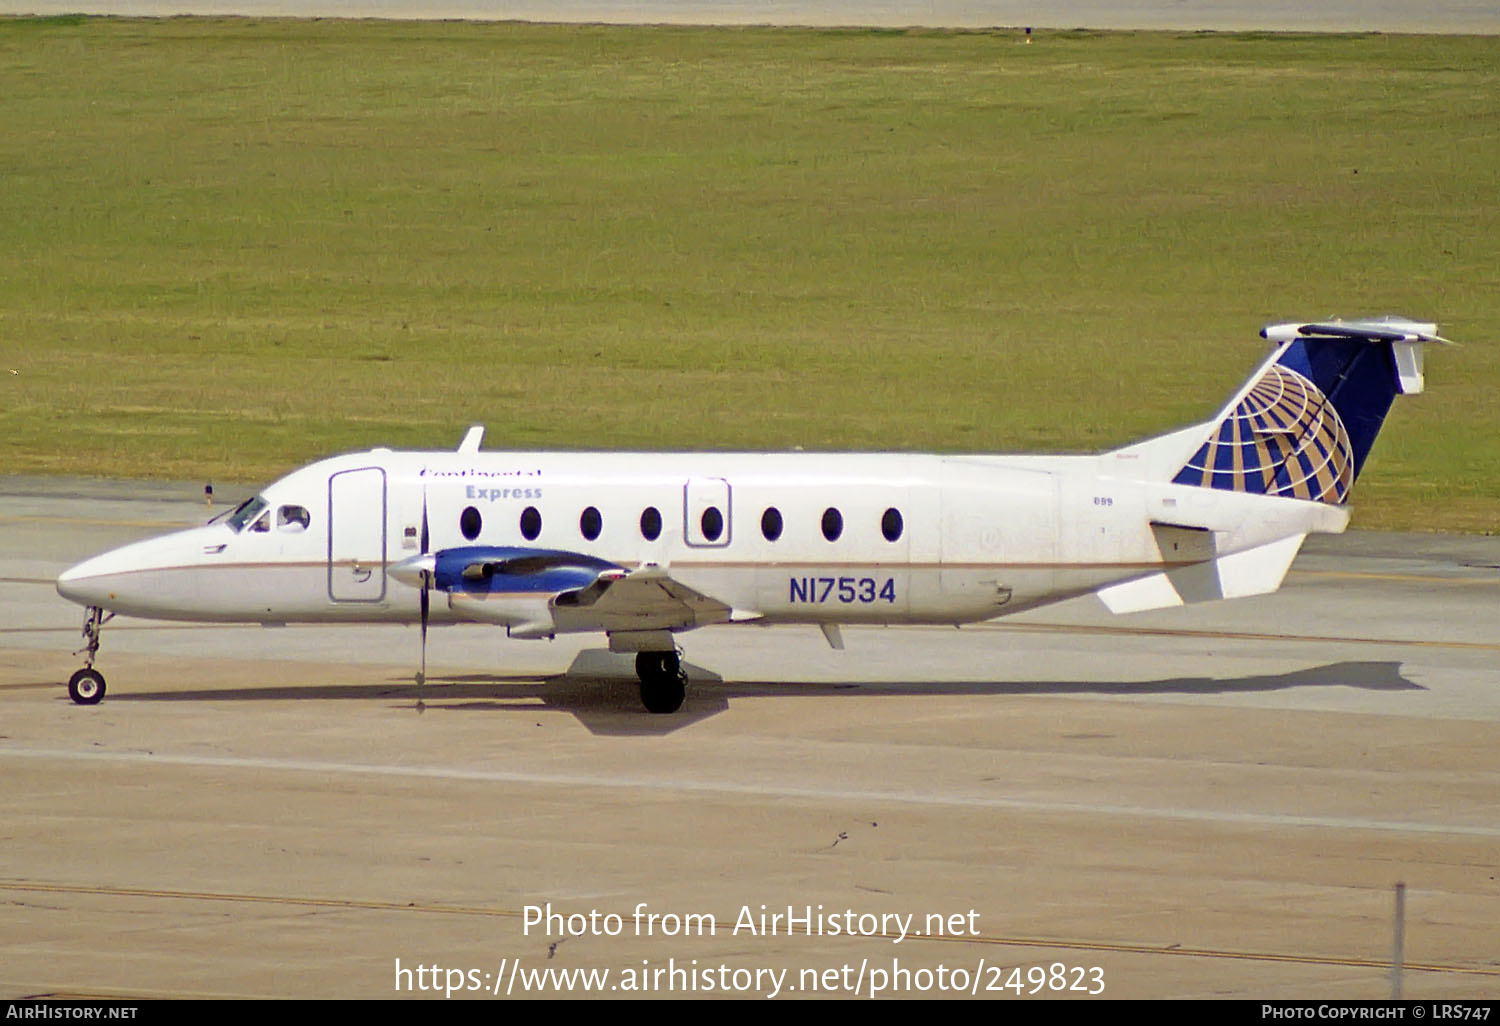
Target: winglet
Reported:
point(472, 438)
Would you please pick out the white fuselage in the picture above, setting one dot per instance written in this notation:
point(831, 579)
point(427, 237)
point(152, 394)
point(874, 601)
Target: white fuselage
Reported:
point(978, 536)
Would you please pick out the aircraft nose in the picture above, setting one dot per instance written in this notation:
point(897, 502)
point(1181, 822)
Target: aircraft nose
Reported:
point(140, 579)
point(84, 583)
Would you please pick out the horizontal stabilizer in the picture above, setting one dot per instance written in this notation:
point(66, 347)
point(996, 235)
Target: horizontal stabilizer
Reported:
point(1404, 336)
point(1255, 571)
point(1382, 329)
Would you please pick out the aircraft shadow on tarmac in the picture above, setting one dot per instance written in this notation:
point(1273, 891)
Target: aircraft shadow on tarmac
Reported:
point(602, 693)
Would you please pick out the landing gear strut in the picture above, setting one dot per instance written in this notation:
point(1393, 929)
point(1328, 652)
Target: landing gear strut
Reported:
point(663, 684)
point(86, 686)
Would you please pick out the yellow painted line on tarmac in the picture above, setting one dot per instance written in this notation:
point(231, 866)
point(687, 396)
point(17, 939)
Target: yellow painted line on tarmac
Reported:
point(1248, 956)
point(100, 522)
point(1046, 943)
point(1363, 575)
point(262, 899)
point(1175, 632)
point(176, 625)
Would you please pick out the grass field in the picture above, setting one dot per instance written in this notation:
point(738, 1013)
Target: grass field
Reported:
point(228, 247)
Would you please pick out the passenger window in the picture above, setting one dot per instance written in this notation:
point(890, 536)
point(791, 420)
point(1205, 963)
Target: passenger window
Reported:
point(651, 523)
point(293, 519)
point(712, 523)
point(531, 523)
point(833, 524)
point(469, 522)
point(770, 523)
point(890, 524)
point(590, 523)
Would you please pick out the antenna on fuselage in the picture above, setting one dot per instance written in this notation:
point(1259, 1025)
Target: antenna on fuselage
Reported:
point(472, 439)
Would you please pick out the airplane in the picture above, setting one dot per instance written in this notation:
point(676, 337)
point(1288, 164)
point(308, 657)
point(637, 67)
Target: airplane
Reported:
point(642, 547)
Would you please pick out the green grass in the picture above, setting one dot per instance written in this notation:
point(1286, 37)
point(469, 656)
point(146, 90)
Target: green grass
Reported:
point(229, 247)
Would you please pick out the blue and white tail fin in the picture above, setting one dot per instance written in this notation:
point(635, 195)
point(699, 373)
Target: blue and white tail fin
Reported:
point(1304, 424)
point(1300, 428)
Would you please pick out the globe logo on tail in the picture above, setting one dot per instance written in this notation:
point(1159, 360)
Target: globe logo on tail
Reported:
point(1284, 438)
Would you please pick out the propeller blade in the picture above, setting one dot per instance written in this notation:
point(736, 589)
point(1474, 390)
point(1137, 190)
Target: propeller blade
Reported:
point(422, 673)
point(424, 598)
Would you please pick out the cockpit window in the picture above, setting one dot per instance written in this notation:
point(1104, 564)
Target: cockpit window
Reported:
point(263, 524)
point(246, 512)
point(293, 518)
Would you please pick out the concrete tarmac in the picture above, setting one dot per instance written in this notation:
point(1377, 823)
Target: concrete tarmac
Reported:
point(1206, 802)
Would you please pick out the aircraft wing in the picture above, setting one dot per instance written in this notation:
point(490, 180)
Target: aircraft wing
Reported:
point(542, 592)
point(645, 599)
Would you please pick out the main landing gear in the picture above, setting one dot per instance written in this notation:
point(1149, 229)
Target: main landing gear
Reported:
point(86, 686)
point(663, 683)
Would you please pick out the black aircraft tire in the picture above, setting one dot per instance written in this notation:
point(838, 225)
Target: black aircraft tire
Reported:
point(664, 695)
point(86, 687)
point(650, 665)
point(663, 685)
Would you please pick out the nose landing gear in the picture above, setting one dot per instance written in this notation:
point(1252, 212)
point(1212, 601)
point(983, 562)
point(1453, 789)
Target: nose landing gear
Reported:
point(86, 686)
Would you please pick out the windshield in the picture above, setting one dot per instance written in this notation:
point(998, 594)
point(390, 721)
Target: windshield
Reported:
point(246, 512)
